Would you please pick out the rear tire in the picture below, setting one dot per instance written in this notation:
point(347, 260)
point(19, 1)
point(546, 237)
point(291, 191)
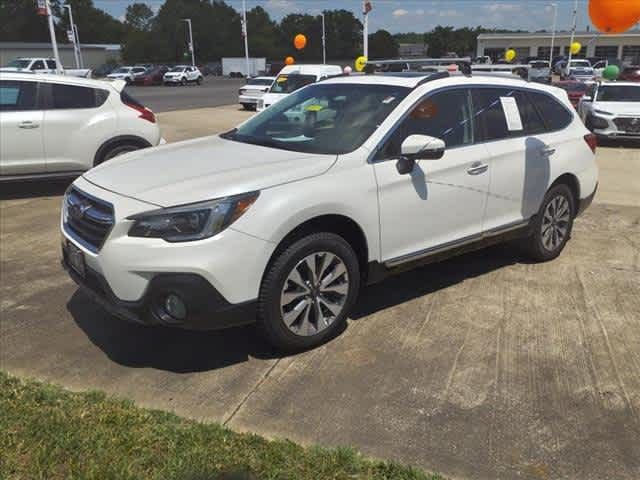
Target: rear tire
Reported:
point(116, 150)
point(553, 224)
point(308, 291)
point(183, 81)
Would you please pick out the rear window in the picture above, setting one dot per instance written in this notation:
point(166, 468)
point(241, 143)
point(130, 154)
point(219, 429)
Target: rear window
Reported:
point(259, 81)
point(17, 96)
point(556, 116)
point(76, 97)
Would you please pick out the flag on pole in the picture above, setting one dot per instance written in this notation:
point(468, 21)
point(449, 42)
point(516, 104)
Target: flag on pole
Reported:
point(41, 7)
point(244, 28)
point(367, 7)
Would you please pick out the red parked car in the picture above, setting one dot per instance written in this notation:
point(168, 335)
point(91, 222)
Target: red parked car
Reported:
point(574, 88)
point(631, 74)
point(153, 76)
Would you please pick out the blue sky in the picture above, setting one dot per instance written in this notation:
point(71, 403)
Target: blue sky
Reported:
point(415, 15)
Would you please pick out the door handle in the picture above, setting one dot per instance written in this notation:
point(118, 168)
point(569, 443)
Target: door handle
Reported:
point(28, 125)
point(548, 151)
point(477, 168)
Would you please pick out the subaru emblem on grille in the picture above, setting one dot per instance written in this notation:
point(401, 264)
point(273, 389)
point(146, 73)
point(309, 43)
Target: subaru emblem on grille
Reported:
point(77, 210)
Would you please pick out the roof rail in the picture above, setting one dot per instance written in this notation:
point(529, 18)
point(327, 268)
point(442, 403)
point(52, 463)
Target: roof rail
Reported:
point(432, 77)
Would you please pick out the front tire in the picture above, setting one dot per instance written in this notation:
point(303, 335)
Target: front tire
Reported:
point(553, 224)
point(116, 150)
point(183, 81)
point(308, 291)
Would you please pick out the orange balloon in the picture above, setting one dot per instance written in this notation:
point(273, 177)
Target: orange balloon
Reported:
point(614, 16)
point(289, 61)
point(300, 41)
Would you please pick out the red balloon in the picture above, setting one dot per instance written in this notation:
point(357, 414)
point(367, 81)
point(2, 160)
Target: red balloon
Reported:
point(614, 16)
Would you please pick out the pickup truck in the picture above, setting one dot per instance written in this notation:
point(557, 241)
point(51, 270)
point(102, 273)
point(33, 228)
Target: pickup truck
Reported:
point(43, 65)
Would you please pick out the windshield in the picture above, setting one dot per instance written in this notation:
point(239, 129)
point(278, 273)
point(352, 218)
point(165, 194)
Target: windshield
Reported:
point(580, 63)
point(19, 63)
point(177, 69)
point(539, 64)
point(259, 81)
point(322, 118)
point(619, 93)
point(290, 83)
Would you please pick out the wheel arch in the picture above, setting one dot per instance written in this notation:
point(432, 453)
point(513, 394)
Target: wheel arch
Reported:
point(572, 182)
point(338, 224)
point(114, 142)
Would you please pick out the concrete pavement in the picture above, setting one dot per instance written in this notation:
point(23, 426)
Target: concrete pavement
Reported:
point(484, 366)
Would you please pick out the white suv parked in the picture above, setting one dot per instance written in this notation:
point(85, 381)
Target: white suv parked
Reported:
point(58, 126)
point(128, 74)
point(183, 74)
point(612, 110)
point(285, 221)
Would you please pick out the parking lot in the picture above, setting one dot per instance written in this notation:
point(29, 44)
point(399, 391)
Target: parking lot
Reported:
point(485, 366)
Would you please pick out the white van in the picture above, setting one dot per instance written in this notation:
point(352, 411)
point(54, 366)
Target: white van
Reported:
point(294, 77)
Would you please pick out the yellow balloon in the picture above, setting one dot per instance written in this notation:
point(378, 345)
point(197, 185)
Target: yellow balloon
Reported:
point(510, 55)
point(576, 47)
point(361, 62)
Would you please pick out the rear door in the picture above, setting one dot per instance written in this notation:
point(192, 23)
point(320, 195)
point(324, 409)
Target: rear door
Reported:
point(78, 119)
point(21, 127)
point(520, 157)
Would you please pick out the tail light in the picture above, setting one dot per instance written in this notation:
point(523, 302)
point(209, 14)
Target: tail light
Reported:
point(145, 113)
point(592, 141)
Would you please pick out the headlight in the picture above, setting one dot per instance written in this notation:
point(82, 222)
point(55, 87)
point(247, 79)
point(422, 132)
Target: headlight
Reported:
point(240, 92)
point(191, 222)
point(602, 112)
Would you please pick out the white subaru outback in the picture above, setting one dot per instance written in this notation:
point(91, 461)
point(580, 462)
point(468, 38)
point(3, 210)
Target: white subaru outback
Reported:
point(284, 221)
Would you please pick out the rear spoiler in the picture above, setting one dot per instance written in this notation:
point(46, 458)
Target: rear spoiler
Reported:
point(119, 85)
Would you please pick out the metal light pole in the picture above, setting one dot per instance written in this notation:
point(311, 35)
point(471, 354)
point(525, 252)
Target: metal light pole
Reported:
point(75, 31)
point(246, 36)
point(73, 34)
point(365, 31)
point(193, 53)
point(54, 42)
point(324, 42)
point(553, 32)
point(573, 34)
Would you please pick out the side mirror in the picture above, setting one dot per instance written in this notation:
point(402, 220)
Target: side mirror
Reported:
point(422, 147)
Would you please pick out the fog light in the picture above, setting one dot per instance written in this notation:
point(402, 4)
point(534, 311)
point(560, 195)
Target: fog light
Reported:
point(175, 307)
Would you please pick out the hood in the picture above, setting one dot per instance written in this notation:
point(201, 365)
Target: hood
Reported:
point(619, 108)
point(203, 169)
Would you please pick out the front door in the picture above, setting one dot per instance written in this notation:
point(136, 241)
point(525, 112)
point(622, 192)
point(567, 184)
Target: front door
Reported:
point(21, 137)
point(441, 202)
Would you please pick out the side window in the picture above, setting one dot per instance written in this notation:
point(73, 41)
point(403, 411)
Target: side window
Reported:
point(531, 120)
point(17, 96)
point(445, 115)
point(38, 65)
point(72, 96)
point(489, 120)
point(51, 64)
point(554, 113)
point(101, 97)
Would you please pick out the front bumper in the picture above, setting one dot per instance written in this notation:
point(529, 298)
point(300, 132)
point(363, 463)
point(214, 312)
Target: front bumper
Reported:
point(248, 100)
point(172, 79)
point(206, 308)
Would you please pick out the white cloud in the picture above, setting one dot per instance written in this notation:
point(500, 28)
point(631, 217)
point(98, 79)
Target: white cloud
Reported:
point(450, 13)
point(400, 12)
point(502, 7)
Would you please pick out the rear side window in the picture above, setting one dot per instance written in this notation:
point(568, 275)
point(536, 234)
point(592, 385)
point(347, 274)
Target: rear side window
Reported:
point(489, 120)
point(531, 120)
point(38, 65)
point(51, 64)
point(554, 113)
point(74, 96)
point(17, 96)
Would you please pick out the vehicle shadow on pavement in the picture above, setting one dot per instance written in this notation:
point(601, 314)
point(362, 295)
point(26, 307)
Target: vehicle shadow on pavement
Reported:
point(18, 190)
point(163, 348)
point(184, 351)
point(431, 278)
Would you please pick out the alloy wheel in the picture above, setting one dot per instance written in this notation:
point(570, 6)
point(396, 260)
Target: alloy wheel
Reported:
point(555, 223)
point(314, 293)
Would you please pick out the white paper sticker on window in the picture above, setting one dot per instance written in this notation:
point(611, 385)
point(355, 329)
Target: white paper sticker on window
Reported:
point(511, 113)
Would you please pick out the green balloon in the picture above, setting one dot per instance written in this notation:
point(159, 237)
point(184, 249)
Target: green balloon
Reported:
point(611, 72)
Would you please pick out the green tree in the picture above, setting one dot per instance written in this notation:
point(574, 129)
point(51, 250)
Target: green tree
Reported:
point(382, 45)
point(19, 22)
point(264, 35)
point(94, 25)
point(138, 17)
point(344, 34)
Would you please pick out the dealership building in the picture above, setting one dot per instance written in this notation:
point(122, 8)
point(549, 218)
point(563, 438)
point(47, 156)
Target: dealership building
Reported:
point(622, 46)
point(93, 55)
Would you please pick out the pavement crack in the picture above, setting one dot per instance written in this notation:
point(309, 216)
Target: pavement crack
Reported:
point(255, 388)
